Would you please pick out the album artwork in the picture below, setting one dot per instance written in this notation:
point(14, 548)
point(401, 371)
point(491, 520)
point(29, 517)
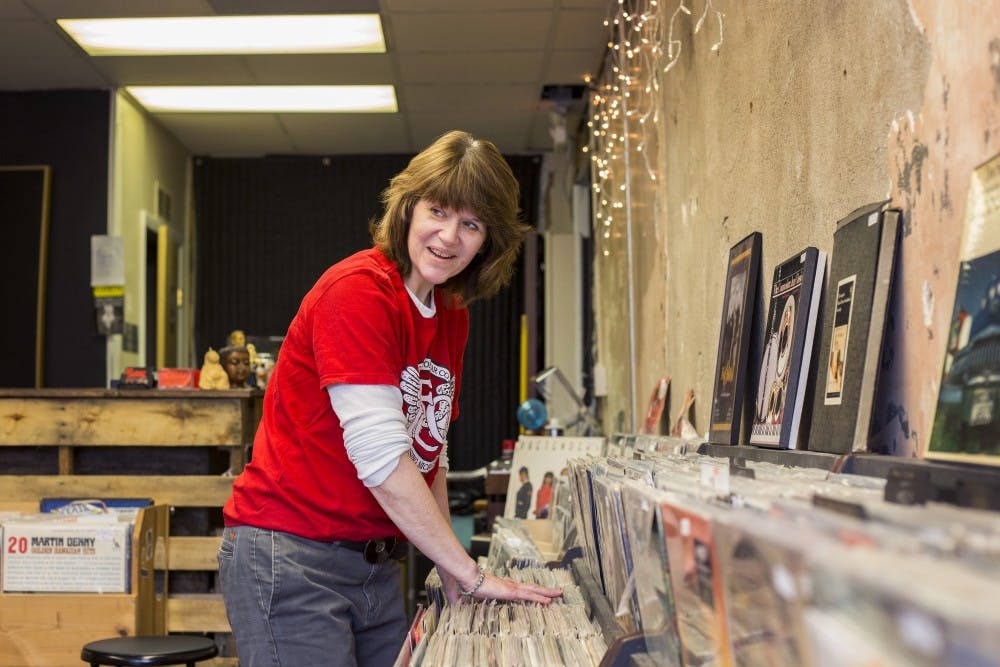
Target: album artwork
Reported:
point(765, 587)
point(581, 476)
point(537, 463)
point(697, 584)
point(654, 594)
point(967, 420)
point(616, 562)
point(788, 343)
point(734, 340)
point(853, 329)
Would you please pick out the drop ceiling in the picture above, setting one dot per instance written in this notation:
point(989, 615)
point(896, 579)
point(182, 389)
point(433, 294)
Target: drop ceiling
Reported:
point(478, 65)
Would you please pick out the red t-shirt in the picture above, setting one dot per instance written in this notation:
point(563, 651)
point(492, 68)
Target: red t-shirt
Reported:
point(357, 325)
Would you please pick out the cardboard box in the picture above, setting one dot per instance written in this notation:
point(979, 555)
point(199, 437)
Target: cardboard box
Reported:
point(177, 378)
point(66, 554)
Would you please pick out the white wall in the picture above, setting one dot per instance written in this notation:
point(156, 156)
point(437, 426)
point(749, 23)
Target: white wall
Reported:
point(144, 154)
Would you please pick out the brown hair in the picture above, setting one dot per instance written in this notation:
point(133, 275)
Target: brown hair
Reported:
point(458, 172)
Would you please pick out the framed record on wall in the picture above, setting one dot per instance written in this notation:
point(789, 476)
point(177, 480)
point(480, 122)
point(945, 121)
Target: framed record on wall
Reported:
point(788, 344)
point(857, 303)
point(734, 340)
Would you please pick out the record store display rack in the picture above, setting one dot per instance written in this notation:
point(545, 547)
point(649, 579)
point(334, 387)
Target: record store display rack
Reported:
point(686, 558)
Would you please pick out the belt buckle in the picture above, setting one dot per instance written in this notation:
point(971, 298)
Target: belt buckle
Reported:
point(378, 551)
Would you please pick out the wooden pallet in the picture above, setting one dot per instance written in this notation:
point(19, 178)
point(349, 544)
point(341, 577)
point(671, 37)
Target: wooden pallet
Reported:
point(51, 629)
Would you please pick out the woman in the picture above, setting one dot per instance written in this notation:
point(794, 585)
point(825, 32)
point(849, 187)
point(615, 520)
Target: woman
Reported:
point(350, 458)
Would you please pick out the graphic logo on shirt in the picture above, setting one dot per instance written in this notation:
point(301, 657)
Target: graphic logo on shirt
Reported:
point(428, 390)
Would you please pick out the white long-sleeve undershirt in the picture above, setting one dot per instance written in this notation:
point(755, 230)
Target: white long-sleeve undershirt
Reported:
point(374, 425)
point(374, 428)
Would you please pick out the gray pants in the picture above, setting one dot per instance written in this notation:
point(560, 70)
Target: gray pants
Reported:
point(294, 602)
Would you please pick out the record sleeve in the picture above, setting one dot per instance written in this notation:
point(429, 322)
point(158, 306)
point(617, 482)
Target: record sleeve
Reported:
point(765, 591)
point(697, 583)
point(734, 341)
point(537, 462)
point(788, 345)
point(854, 314)
point(967, 419)
point(615, 558)
point(657, 613)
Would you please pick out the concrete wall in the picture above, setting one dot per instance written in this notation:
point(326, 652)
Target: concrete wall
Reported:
point(805, 111)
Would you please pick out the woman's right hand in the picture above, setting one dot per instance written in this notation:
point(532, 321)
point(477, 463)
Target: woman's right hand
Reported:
point(501, 588)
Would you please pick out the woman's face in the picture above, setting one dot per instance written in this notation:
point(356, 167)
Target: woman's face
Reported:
point(441, 243)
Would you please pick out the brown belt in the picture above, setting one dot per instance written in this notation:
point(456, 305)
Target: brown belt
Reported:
point(378, 550)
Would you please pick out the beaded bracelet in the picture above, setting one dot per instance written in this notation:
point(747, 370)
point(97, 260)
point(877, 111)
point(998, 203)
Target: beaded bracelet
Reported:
point(479, 582)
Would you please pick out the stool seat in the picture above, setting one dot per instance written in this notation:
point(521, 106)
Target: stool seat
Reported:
point(140, 651)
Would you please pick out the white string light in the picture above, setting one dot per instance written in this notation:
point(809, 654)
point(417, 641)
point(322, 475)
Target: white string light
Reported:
point(626, 102)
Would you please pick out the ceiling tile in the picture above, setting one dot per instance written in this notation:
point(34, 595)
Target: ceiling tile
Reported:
point(228, 134)
point(15, 10)
point(475, 67)
point(347, 68)
point(577, 28)
point(66, 9)
point(46, 73)
point(22, 40)
point(571, 66)
point(603, 5)
point(470, 99)
point(175, 70)
point(292, 6)
point(507, 131)
point(466, 5)
point(468, 31)
point(346, 133)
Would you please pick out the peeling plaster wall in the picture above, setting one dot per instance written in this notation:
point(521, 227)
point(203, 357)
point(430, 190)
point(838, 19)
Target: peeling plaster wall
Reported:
point(807, 111)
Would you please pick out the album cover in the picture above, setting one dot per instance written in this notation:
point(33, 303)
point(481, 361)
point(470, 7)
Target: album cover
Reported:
point(654, 412)
point(857, 300)
point(607, 502)
point(654, 596)
point(537, 463)
point(582, 476)
point(967, 420)
point(865, 610)
point(788, 344)
point(765, 591)
point(734, 341)
point(697, 584)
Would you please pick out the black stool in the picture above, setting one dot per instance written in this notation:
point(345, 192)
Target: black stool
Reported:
point(139, 651)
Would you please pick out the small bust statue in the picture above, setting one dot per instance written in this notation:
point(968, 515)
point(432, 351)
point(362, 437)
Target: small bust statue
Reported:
point(237, 338)
point(236, 363)
point(212, 376)
point(254, 359)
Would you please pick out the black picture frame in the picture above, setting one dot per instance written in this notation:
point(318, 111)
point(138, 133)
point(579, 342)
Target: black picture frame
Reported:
point(729, 392)
point(854, 317)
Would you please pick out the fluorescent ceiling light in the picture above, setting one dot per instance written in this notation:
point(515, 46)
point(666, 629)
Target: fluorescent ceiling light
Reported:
point(190, 35)
point(266, 99)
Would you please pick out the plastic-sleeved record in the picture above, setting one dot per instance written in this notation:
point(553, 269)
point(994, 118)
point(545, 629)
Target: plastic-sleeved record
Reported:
point(765, 584)
point(697, 581)
point(657, 614)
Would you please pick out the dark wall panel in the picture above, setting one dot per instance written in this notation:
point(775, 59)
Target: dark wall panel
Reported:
point(69, 130)
point(268, 227)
